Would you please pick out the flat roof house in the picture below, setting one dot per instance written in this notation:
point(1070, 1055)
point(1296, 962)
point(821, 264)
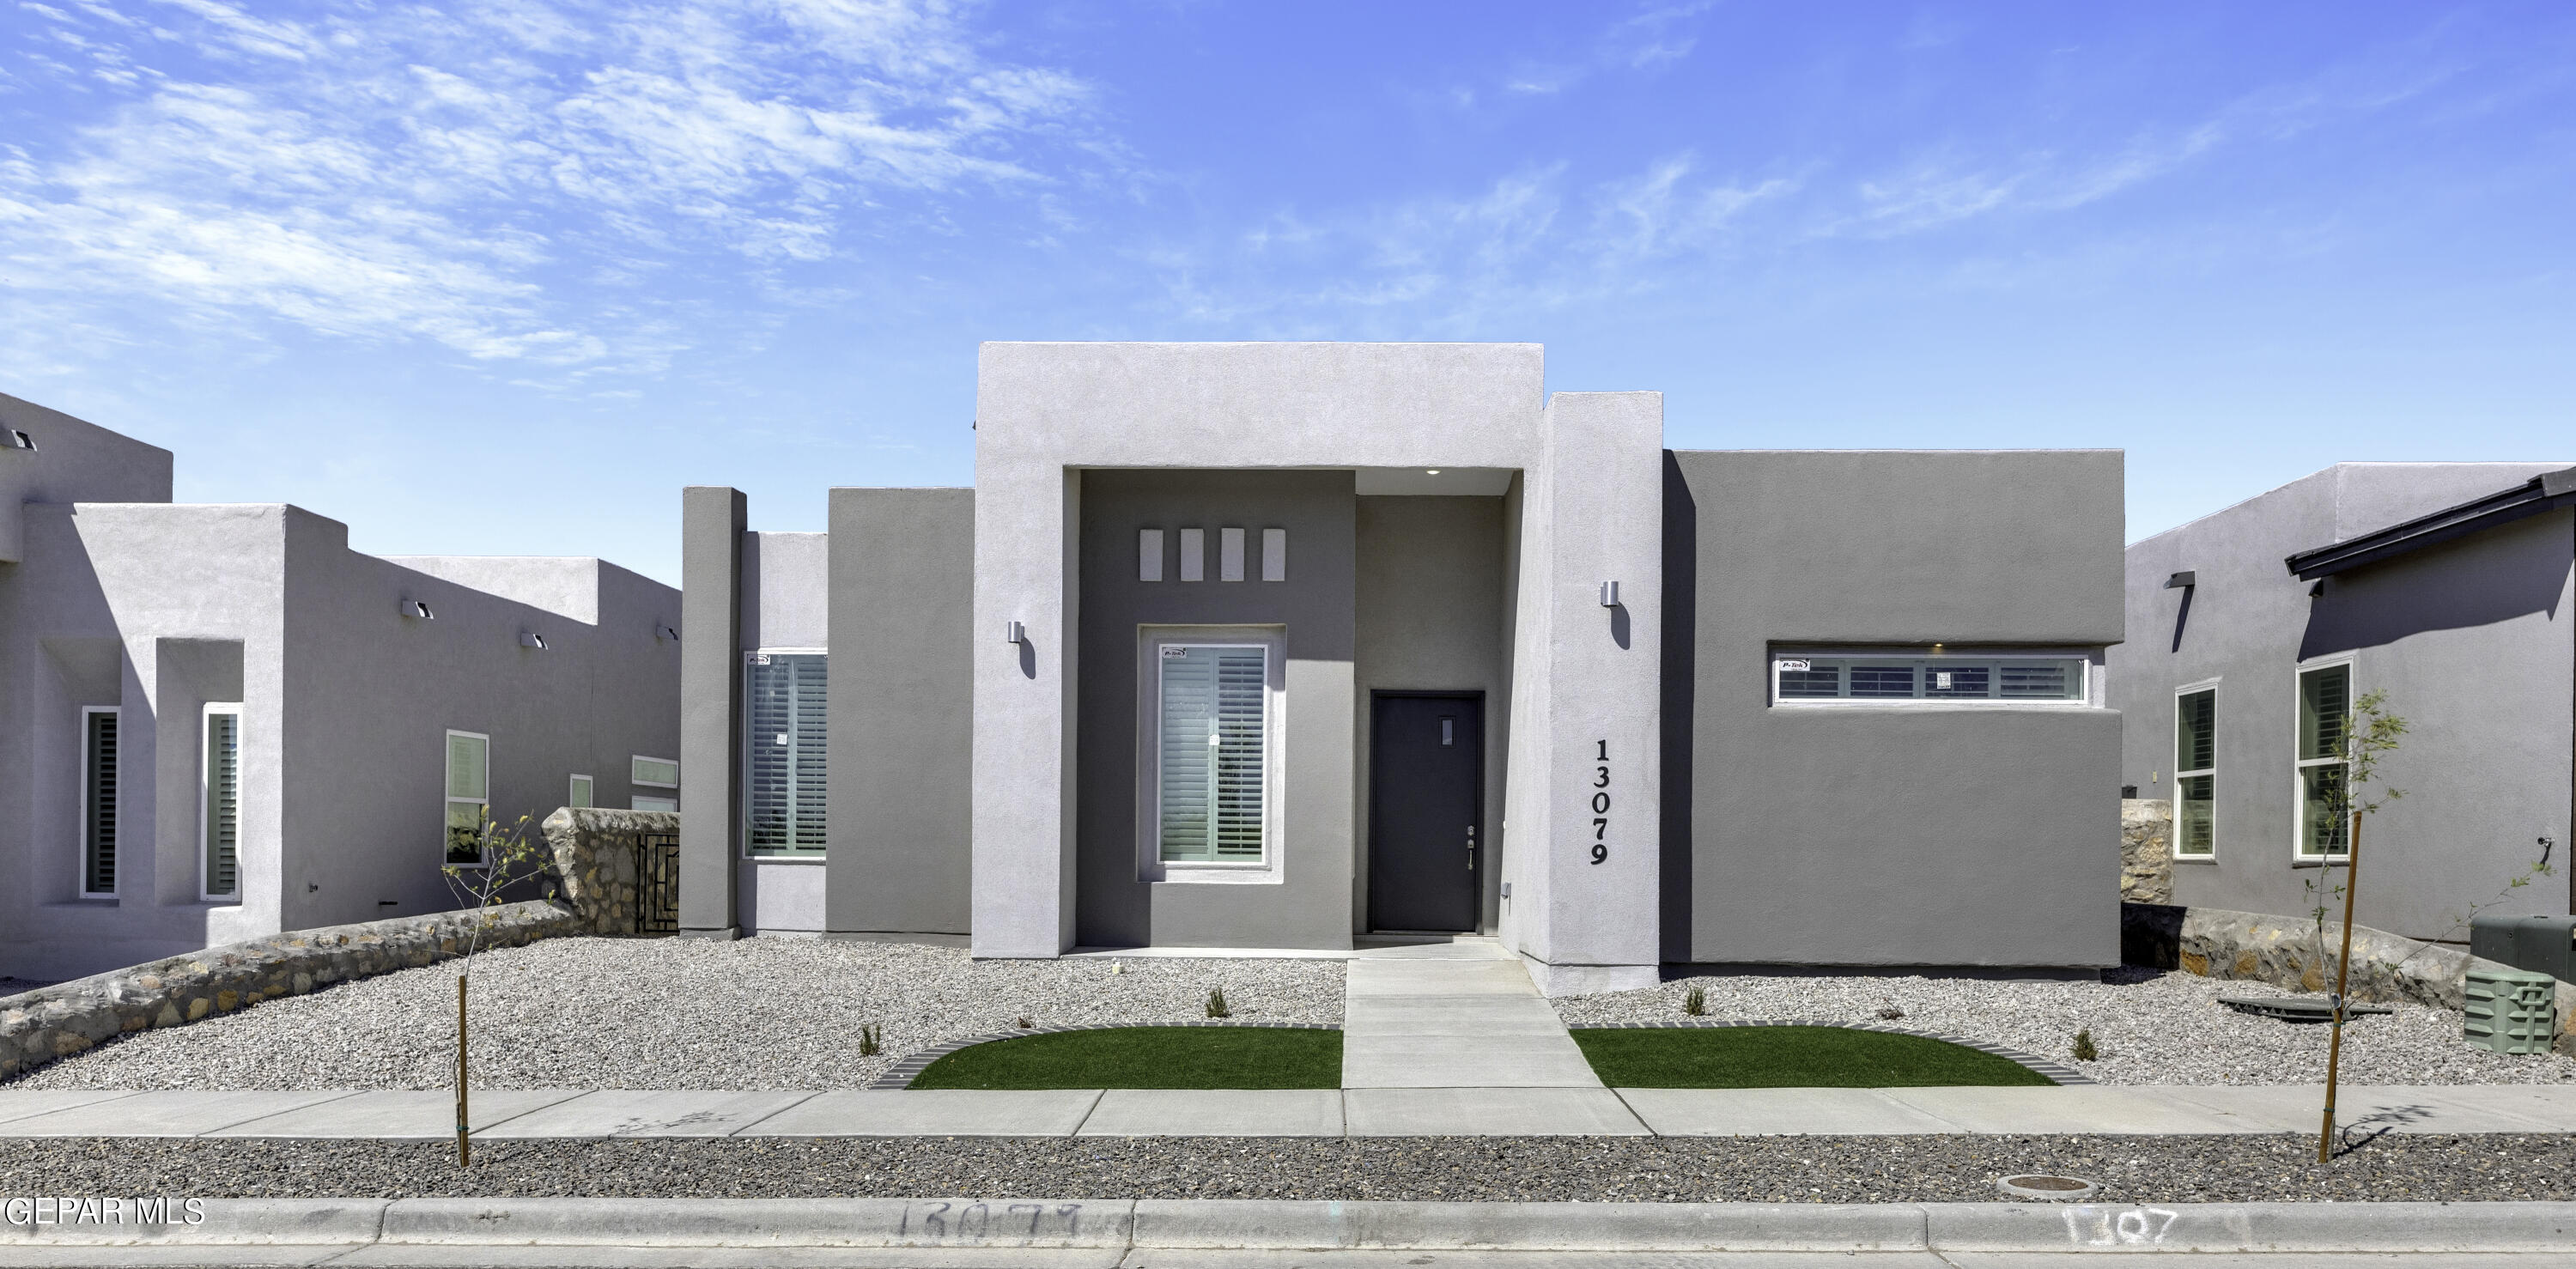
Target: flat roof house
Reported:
point(1279, 645)
point(220, 722)
point(2445, 585)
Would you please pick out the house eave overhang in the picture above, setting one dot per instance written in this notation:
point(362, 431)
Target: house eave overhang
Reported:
point(2548, 491)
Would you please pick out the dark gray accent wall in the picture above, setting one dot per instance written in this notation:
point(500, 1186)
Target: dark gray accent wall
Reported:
point(712, 519)
point(1310, 906)
point(1897, 835)
point(1430, 618)
point(2474, 640)
point(900, 751)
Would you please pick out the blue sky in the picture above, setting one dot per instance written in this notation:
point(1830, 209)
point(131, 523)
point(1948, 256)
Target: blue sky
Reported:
point(500, 278)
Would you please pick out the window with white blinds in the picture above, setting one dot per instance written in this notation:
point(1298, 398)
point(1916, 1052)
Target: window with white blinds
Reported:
point(783, 711)
point(220, 820)
point(1917, 676)
point(2325, 711)
point(98, 800)
point(1213, 748)
point(2196, 773)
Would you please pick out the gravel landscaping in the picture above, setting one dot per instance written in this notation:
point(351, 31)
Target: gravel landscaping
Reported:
point(2149, 1027)
point(680, 1014)
point(1805, 1169)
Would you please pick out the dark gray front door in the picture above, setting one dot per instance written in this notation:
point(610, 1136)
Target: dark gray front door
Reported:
point(1426, 800)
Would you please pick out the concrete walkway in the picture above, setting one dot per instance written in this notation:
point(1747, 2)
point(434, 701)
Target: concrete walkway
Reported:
point(1539, 1110)
point(1454, 1039)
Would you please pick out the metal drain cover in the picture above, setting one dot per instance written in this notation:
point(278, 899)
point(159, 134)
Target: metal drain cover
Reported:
point(2043, 1187)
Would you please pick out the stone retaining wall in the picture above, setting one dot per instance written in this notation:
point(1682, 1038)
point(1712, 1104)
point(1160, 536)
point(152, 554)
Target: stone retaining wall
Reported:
point(2146, 850)
point(596, 860)
point(2287, 952)
point(54, 1022)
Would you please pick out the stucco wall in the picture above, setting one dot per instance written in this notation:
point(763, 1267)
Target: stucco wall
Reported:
point(1309, 906)
point(1893, 835)
point(1045, 410)
point(711, 585)
point(901, 733)
point(1430, 616)
point(162, 608)
point(74, 461)
point(2471, 640)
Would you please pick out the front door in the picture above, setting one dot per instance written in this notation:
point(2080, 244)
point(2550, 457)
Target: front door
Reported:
point(1426, 804)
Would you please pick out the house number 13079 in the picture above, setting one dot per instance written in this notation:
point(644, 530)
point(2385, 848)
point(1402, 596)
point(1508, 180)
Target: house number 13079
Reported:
point(1601, 804)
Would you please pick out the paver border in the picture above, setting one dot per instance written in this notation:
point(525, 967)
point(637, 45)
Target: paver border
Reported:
point(901, 1074)
point(2057, 1072)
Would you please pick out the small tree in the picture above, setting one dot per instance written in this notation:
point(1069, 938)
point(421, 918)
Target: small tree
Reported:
point(508, 857)
point(2368, 733)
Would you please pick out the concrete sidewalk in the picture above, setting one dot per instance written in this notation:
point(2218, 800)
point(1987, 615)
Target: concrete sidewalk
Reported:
point(1132, 1232)
point(1353, 1112)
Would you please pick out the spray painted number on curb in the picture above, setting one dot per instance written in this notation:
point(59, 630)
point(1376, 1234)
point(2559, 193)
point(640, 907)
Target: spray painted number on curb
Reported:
point(2091, 1226)
point(980, 1222)
point(1601, 803)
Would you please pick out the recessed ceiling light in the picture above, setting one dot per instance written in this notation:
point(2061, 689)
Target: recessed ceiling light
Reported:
point(1434, 471)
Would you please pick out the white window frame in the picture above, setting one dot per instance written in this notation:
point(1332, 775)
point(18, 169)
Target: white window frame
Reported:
point(445, 748)
point(88, 783)
point(2299, 766)
point(2193, 689)
point(588, 797)
point(1150, 864)
point(742, 830)
point(633, 784)
point(205, 778)
point(2084, 658)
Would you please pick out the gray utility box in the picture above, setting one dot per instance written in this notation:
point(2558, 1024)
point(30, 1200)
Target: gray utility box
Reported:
point(2541, 944)
point(2509, 1010)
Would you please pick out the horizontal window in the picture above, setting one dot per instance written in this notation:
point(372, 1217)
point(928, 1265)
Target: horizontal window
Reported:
point(1903, 677)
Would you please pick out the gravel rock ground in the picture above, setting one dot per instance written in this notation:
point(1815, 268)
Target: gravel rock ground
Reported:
point(678, 1013)
point(1748, 1169)
point(2149, 1027)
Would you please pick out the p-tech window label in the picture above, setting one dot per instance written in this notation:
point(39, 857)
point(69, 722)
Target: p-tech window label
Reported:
point(1601, 803)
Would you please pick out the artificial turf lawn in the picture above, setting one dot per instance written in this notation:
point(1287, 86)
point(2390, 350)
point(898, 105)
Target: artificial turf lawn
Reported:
point(1787, 1057)
point(1147, 1057)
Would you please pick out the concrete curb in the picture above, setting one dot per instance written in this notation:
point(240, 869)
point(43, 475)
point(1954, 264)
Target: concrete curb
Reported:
point(1153, 1224)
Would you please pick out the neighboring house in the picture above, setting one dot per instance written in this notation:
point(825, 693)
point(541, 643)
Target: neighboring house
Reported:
point(220, 722)
point(2253, 631)
point(1277, 645)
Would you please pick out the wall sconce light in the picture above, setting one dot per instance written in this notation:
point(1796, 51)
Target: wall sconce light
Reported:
point(670, 633)
point(1609, 594)
point(530, 639)
point(2182, 580)
point(12, 438)
point(1014, 632)
point(415, 608)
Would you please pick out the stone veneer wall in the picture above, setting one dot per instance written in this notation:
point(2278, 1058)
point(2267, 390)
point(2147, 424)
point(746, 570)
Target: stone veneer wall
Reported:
point(54, 1022)
point(2146, 850)
point(2287, 952)
point(598, 864)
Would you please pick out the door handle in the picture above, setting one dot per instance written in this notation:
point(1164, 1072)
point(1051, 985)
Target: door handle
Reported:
point(1471, 848)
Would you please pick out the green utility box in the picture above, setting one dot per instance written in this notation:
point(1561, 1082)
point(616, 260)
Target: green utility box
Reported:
point(2510, 1010)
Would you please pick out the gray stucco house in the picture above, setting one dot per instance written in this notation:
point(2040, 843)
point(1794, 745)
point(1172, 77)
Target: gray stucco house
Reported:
point(1283, 645)
point(220, 722)
point(2446, 585)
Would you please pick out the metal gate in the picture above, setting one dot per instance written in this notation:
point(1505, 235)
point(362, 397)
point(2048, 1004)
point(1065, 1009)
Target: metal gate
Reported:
point(657, 883)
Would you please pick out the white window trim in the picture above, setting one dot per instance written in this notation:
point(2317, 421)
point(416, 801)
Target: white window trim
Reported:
point(2174, 804)
point(1150, 864)
point(444, 749)
point(88, 781)
point(2088, 669)
point(633, 758)
point(2299, 765)
point(742, 827)
point(205, 874)
point(578, 779)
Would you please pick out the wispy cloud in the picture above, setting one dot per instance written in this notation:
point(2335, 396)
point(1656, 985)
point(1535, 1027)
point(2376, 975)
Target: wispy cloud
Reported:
point(1653, 36)
point(447, 173)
